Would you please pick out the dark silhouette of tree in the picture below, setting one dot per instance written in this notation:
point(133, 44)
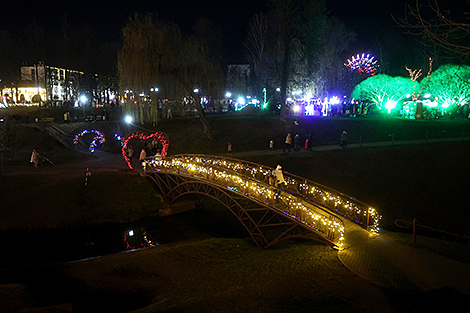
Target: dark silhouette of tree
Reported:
point(256, 46)
point(330, 70)
point(445, 32)
point(154, 53)
point(282, 46)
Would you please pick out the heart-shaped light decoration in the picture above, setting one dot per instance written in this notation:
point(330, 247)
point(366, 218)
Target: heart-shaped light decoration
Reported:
point(161, 137)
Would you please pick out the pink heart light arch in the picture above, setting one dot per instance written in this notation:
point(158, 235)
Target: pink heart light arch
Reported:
point(161, 137)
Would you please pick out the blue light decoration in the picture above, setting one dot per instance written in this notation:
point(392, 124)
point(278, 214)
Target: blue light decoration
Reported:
point(98, 137)
point(119, 138)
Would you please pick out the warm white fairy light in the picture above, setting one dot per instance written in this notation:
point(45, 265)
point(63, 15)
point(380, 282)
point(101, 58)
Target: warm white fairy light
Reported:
point(235, 175)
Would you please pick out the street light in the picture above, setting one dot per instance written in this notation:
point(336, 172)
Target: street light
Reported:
point(83, 99)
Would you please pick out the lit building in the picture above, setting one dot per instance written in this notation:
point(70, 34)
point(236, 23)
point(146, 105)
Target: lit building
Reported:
point(49, 85)
point(59, 84)
point(24, 92)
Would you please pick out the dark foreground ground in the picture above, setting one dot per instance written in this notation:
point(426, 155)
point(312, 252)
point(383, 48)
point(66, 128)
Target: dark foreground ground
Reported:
point(214, 268)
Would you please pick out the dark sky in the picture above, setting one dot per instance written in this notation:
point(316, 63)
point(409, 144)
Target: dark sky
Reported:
point(108, 17)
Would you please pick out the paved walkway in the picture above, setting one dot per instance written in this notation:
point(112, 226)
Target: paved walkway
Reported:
point(351, 146)
point(396, 265)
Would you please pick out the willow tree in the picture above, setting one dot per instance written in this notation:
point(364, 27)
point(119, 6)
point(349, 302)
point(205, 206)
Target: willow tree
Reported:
point(155, 54)
point(138, 65)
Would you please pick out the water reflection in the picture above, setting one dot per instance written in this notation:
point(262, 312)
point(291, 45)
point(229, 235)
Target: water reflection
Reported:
point(44, 246)
point(137, 239)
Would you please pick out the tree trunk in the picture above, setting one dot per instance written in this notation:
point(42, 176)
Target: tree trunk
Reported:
point(203, 118)
point(284, 79)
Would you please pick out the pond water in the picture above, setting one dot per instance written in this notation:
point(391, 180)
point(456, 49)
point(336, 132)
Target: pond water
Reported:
point(31, 257)
point(46, 246)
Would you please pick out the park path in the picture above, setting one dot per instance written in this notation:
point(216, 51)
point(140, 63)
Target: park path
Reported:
point(397, 265)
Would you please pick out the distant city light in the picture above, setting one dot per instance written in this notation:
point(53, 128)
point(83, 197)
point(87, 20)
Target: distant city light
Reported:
point(128, 119)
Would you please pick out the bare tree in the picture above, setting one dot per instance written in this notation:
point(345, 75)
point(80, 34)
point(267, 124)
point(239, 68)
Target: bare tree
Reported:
point(256, 51)
point(336, 41)
point(439, 27)
point(295, 32)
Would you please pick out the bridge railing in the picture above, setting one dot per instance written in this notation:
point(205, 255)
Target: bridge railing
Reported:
point(347, 206)
point(236, 179)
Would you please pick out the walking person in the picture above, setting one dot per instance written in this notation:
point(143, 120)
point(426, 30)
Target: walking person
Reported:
point(344, 139)
point(279, 177)
point(296, 142)
point(309, 142)
point(130, 153)
point(229, 149)
point(287, 143)
point(271, 145)
point(279, 181)
point(143, 155)
point(34, 158)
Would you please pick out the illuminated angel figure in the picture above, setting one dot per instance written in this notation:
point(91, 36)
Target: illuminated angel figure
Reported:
point(363, 64)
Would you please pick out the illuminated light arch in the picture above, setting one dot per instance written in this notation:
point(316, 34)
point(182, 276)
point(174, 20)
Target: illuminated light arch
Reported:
point(98, 137)
point(161, 137)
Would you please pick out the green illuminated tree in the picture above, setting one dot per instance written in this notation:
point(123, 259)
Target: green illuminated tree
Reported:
point(383, 90)
point(449, 84)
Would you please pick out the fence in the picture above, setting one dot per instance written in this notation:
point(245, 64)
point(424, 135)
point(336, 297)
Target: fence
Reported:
point(414, 224)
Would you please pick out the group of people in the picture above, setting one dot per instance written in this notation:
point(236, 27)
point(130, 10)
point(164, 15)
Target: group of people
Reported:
point(308, 142)
point(149, 150)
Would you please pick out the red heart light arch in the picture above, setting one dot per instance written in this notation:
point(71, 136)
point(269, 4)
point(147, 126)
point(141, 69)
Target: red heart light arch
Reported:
point(161, 137)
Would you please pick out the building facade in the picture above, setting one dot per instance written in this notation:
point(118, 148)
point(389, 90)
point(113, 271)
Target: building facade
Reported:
point(57, 84)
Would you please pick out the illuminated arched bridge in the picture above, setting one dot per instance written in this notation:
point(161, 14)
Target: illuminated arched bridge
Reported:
point(304, 209)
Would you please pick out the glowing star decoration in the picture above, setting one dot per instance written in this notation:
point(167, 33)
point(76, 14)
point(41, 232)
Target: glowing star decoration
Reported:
point(364, 64)
point(161, 137)
point(98, 137)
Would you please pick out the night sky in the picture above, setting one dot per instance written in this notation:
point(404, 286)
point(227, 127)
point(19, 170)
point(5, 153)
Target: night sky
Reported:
point(108, 17)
